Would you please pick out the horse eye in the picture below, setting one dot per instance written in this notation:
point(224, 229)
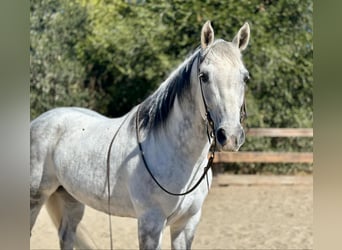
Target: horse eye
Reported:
point(246, 78)
point(204, 77)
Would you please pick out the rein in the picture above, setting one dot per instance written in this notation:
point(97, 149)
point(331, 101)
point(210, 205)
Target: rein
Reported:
point(210, 134)
point(108, 181)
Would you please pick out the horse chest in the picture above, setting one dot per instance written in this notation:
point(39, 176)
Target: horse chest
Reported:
point(186, 207)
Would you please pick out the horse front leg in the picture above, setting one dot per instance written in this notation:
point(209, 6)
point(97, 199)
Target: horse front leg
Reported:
point(183, 232)
point(150, 229)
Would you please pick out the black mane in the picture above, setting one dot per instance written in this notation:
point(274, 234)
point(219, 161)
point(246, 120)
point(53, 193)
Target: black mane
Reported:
point(155, 110)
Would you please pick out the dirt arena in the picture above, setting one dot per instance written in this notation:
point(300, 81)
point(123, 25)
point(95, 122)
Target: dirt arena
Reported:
point(241, 212)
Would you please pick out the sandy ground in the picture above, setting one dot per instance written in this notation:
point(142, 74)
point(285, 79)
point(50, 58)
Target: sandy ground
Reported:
point(240, 213)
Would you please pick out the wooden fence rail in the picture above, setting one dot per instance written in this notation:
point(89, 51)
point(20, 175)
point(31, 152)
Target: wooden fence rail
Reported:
point(280, 132)
point(270, 157)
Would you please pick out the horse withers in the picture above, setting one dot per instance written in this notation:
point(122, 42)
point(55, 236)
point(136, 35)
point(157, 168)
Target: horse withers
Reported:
point(118, 166)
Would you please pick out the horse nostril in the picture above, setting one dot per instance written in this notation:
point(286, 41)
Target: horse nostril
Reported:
point(221, 136)
point(242, 137)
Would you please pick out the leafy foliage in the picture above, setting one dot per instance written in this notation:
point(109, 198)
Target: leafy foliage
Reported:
point(57, 74)
point(109, 55)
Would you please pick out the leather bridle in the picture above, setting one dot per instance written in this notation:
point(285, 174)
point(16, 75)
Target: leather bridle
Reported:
point(211, 138)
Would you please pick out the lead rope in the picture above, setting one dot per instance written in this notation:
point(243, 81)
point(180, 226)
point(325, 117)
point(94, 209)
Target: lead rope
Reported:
point(108, 182)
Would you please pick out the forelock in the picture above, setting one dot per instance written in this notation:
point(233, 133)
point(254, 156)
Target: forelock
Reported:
point(223, 50)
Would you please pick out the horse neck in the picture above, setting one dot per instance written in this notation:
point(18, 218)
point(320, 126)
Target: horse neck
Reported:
point(185, 130)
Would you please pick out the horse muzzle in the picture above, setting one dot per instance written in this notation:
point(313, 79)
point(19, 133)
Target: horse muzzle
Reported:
point(226, 141)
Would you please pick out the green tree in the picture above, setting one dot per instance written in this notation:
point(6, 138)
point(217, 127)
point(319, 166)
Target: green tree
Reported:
point(56, 74)
point(109, 55)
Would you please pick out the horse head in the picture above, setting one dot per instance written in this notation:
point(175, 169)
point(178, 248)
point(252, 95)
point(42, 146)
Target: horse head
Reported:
point(222, 82)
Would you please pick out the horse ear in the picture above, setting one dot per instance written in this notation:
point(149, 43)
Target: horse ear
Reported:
point(207, 35)
point(242, 38)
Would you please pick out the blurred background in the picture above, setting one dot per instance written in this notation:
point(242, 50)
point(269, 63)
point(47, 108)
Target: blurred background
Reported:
point(110, 55)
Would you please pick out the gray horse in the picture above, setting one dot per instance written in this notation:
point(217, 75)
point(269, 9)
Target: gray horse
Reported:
point(81, 157)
